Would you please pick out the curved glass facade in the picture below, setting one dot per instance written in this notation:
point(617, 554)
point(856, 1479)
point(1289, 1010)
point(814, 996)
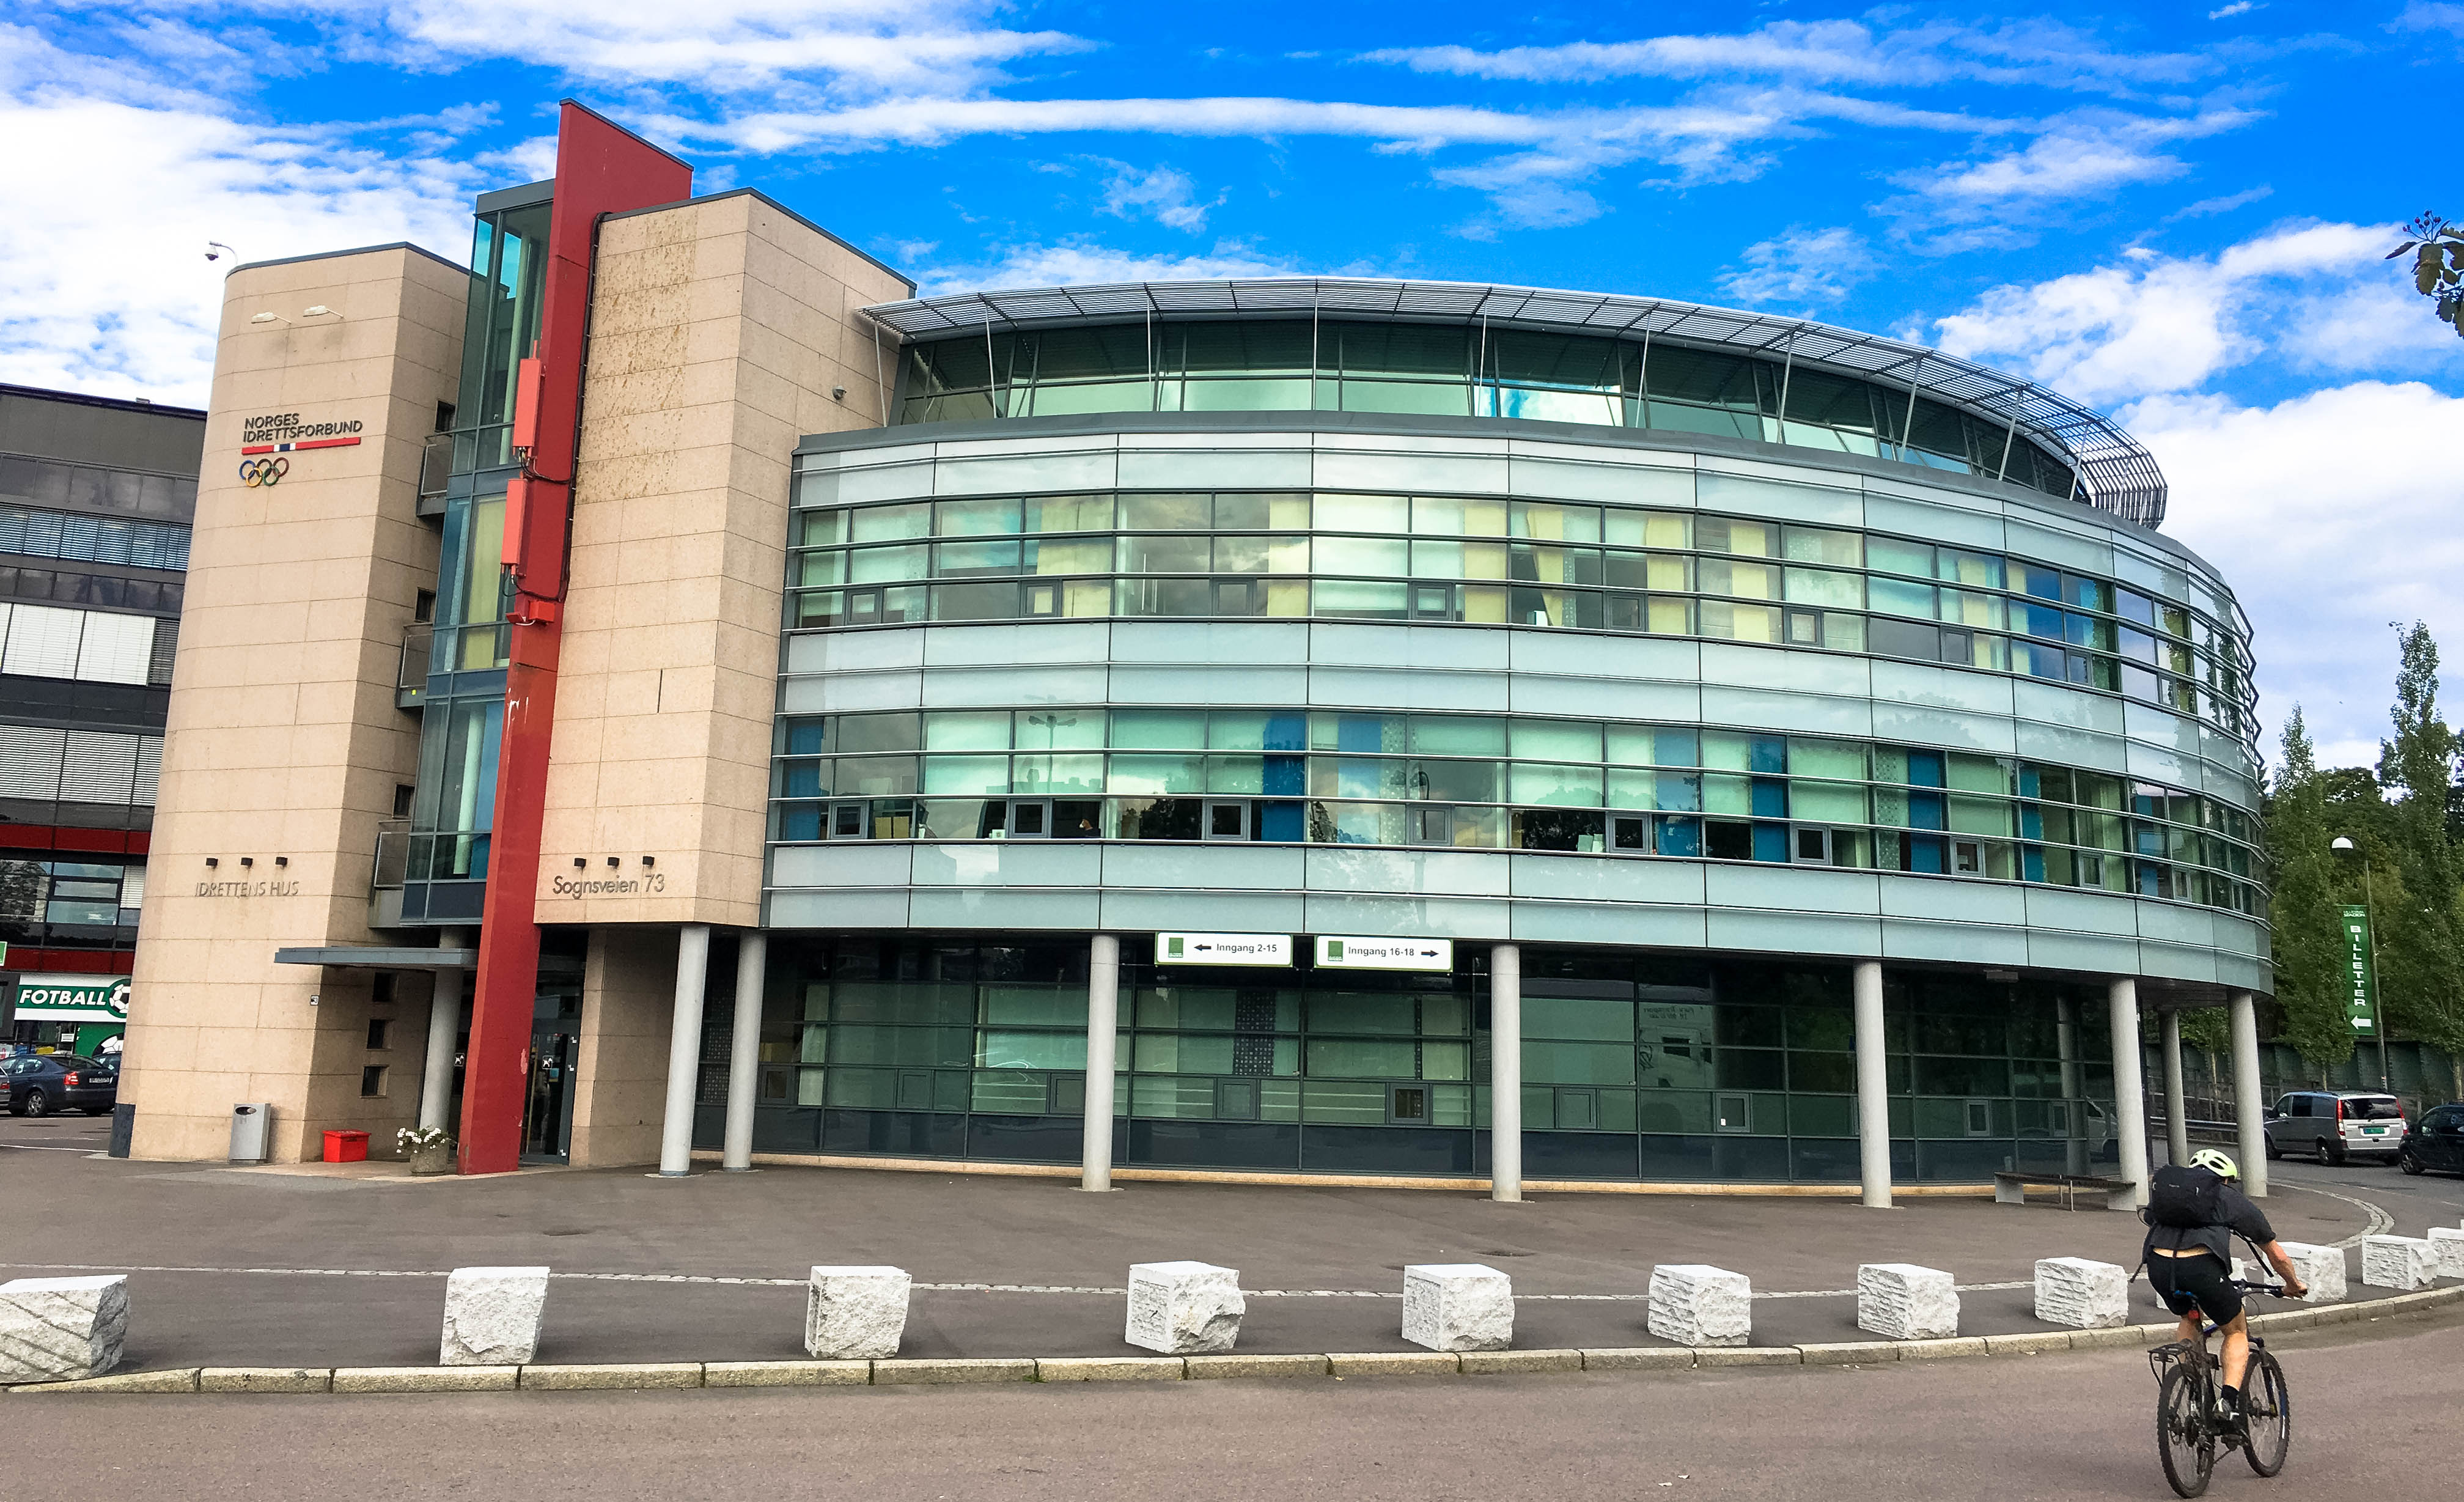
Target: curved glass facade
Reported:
point(1336, 365)
point(1484, 559)
point(1698, 675)
point(1527, 783)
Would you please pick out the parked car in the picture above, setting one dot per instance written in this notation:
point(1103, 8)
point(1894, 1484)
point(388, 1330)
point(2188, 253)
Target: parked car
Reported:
point(2334, 1123)
point(42, 1083)
point(2438, 1142)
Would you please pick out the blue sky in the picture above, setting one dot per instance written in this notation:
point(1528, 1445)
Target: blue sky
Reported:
point(2173, 210)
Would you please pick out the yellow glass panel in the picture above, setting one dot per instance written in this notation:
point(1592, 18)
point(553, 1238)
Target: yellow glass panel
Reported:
point(1288, 597)
point(1669, 617)
point(1667, 571)
point(1487, 607)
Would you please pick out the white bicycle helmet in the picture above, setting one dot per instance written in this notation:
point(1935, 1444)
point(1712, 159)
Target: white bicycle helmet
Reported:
point(2216, 1161)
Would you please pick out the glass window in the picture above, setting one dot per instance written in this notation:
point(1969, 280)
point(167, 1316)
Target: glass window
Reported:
point(1898, 597)
point(1356, 555)
point(1891, 555)
point(1819, 545)
point(1730, 535)
point(994, 517)
point(967, 730)
point(890, 523)
point(1820, 586)
point(892, 732)
point(1647, 528)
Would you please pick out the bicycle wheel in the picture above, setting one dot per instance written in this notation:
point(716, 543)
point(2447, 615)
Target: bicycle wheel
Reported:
point(2185, 1440)
point(2267, 1406)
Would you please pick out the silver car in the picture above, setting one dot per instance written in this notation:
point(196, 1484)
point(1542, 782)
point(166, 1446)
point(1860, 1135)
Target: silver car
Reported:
point(2334, 1123)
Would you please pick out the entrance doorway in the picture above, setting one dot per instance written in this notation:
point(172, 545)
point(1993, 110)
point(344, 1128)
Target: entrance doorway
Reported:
point(556, 1044)
point(548, 1112)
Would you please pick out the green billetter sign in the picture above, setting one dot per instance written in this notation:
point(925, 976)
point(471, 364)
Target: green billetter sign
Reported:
point(2360, 979)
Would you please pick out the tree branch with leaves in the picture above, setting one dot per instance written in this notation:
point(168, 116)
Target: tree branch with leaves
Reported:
point(2437, 251)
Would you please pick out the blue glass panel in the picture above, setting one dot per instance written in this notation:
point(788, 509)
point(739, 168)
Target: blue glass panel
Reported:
point(2042, 620)
point(807, 737)
point(1283, 777)
point(1771, 842)
point(2032, 819)
point(802, 780)
point(800, 822)
point(1287, 733)
point(1769, 754)
point(1924, 854)
point(1281, 820)
point(2031, 863)
point(1925, 769)
point(1675, 748)
point(1924, 812)
point(1680, 836)
point(1769, 800)
point(1680, 794)
point(2028, 781)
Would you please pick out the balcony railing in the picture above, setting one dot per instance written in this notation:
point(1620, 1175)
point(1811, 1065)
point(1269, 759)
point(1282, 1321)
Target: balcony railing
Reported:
point(410, 674)
point(435, 464)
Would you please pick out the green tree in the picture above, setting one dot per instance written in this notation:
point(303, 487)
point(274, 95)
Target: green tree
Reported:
point(2309, 939)
point(2422, 950)
point(2437, 251)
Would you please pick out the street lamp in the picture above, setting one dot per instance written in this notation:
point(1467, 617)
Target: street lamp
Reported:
point(2343, 845)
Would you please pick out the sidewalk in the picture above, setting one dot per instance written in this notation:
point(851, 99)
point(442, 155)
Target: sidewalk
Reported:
point(711, 1267)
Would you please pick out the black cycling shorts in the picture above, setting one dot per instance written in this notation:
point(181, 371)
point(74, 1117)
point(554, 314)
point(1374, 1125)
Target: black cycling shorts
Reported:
point(2203, 1282)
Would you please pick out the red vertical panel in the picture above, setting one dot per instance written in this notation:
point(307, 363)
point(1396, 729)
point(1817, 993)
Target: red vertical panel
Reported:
point(599, 169)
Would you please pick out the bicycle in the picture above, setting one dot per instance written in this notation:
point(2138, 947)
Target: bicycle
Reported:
point(2187, 1427)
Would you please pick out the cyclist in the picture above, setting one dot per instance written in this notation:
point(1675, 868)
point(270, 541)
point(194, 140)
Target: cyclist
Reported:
point(2193, 1211)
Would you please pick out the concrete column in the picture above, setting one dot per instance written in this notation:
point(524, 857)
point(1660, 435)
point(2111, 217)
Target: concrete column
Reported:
point(2249, 1095)
point(2129, 1091)
point(744, 1051)
point(2177, 1115)
point(1103, 1032)
point(444, 1031)
point(1872, 1089)
point(2074, 1086)
point(684, 1051)
point(1506, 1072)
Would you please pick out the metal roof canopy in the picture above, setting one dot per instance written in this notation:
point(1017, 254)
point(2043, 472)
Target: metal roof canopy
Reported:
point(378, 956)
point(2115, 472)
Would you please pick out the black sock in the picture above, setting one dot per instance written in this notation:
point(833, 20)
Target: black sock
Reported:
point(2233, 1397)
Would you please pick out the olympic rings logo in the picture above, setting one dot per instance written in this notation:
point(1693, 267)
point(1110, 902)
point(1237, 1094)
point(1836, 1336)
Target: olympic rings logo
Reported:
point(256, 472)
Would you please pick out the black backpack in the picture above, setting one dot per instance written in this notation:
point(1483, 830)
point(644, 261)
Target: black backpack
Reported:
point(2184, 1197)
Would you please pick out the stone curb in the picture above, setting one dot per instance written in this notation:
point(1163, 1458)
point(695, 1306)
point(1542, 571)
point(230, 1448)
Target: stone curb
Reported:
point(926, 1371)
point(1112, 1369)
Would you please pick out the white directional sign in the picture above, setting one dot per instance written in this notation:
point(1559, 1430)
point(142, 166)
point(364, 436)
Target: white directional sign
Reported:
point(1350, 952)
point(1224, 949)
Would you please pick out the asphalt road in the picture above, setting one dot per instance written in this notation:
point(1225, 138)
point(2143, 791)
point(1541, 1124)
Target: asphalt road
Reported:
point(2377, 1413)
point(209, 1247)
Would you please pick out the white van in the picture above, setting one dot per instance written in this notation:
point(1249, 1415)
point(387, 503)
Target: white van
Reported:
point(2334, 1123)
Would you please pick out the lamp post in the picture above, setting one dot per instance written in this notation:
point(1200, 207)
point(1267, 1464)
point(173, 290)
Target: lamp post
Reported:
point(2343, 846)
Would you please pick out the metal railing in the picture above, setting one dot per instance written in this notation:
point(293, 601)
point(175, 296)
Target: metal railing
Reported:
point(411, 672)
point(393, 854)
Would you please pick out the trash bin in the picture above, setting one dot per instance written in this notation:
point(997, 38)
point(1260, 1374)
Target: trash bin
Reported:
point(252, 1132)
point(346, 1147)
point(124, 1128)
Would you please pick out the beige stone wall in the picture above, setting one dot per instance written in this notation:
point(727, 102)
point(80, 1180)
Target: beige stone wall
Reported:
point(718, 332)
point(284, 743)
point(628, 996)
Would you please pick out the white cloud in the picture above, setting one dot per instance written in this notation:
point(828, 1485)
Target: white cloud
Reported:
point(1164, 194)
point(2425, 15)
point(1801, 267)
point(732, 44)
point(109, 290)
point(2038, 53)
point(2331, 513)
point(2237, 7)
point(1079, 262)
point(2316, 297)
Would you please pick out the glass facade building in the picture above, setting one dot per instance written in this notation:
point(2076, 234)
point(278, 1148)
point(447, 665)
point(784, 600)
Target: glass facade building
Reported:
point(1693, 660)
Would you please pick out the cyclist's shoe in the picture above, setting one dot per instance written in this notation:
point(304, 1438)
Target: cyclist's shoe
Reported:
point(2229, 1421)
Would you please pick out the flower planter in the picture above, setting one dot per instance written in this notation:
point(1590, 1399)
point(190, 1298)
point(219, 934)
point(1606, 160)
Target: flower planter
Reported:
point(433, 1160)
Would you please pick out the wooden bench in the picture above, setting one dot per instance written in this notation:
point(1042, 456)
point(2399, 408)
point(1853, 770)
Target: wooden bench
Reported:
point(2120, 1194)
